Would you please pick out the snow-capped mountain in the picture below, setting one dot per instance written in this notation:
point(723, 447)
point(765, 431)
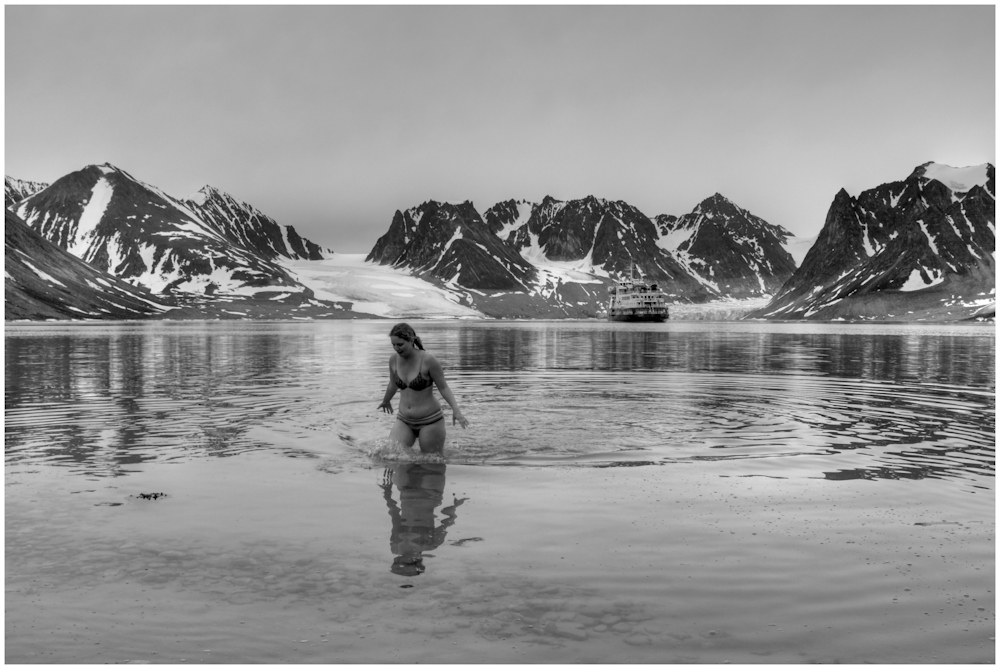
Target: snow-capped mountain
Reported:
point(247, 226)
point(733, 253)
point(16, 190)
point(918, 249)
point(452, 243)
point(472, 258)
point(120, 225)
point(594, 236)
point(522, 258)
point(42, 281)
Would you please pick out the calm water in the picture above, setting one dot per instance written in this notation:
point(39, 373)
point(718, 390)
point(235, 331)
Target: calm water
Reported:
point(682, 492)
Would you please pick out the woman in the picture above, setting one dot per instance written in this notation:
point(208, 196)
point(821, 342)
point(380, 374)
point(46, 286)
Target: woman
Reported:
point(414, 371)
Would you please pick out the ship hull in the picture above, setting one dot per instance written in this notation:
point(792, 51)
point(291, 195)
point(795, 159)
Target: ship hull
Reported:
point(638, 318)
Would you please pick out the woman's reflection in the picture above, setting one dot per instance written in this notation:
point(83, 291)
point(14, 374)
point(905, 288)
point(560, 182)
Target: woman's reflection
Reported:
point(421, 491)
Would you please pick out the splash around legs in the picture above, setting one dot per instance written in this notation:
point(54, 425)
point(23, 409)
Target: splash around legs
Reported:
point(431, 436)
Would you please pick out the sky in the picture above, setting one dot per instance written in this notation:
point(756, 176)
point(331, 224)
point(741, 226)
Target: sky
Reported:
point(331, 118)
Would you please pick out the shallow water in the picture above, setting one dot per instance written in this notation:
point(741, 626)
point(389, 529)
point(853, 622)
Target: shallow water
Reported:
point(683, 492)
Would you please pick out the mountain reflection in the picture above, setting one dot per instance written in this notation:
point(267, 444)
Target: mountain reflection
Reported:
point(954, 360)
point(106, 397)
point(415, 529)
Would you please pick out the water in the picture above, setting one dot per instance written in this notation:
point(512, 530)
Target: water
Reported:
point(681, 492)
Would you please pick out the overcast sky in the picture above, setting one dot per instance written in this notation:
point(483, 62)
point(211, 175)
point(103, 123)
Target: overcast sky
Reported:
point(330, 118)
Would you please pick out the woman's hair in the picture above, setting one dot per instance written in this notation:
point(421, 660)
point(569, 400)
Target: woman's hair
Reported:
point(404, 331)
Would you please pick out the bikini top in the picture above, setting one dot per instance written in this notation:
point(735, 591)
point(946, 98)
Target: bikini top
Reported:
point(418, 382)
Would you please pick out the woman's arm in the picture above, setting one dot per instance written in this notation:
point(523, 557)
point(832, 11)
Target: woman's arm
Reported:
point(437, 374)
point(390, 392)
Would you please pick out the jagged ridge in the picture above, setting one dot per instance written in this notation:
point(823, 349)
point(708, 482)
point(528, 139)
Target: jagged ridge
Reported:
point(453, 244)
point(529, 258)
point(16, 190)
point(245, 225)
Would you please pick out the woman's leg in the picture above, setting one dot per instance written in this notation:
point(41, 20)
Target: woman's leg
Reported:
point(402, 433)
point(432, 437)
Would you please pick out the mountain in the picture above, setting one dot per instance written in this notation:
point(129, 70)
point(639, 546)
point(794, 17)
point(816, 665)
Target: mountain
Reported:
point(122, 226)
point(211, 258)
point(452, 247)
point(528, 260)
point(733, 253)
point(452, 243)
point(595, 236)
point(246, 226)
point(42, 281)
point(558, 258)
point(16, 190)
point(918, 249)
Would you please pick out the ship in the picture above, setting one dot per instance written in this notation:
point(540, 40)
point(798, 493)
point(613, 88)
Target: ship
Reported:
point(633, 300)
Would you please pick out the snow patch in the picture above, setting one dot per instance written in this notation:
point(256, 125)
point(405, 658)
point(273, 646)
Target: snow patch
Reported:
point(930, 240)
point(958, 179)
point(523, 215)
point(91, 217)
point(201, 197)
point(43, 275)
point(894, 199)
point(672, 240)
point(455, 237)
point(869, 248)
point(916, 282)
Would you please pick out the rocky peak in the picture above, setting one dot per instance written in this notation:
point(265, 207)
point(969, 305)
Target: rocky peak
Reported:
point(732, 252)
point(451, 243)
point(244, 224)
point(16, 190)
point(839, 242)
point(505, 217)
point(204, 194)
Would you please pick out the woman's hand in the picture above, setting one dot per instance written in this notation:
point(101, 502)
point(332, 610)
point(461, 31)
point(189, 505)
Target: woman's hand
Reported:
point(386, 407)
point(457, 417)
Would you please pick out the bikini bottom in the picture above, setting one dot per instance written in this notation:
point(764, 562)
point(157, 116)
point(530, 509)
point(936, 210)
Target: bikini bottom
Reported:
point(416, 423)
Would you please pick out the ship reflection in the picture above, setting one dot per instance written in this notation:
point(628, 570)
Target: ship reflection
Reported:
point(414, 526)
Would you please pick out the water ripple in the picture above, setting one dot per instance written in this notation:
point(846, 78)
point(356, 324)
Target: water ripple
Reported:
point(817, 405)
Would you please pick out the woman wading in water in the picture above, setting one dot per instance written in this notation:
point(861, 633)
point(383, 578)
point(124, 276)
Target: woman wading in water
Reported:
point(414, 371)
